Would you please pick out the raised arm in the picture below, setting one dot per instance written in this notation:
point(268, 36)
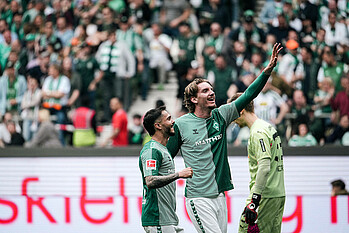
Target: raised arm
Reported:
point(256, 87)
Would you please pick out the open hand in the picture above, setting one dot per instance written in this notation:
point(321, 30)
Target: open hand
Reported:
point(273, 59)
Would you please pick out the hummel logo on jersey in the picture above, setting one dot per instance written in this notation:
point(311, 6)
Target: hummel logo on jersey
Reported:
point(195, 131)
point(151, 164)
point(216, 126)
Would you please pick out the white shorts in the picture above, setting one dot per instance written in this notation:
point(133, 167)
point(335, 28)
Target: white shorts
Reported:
point(163, 229)
point(208, 215)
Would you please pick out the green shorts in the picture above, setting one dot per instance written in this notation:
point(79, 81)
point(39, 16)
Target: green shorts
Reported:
point(270, 212)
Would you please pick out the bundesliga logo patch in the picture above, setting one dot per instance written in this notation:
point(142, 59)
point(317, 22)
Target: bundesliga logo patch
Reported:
point(151, 164)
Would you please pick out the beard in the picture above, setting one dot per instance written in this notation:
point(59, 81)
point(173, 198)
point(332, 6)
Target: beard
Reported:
point(170, 131)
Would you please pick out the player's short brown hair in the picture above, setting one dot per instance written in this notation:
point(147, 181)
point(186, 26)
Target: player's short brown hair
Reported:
point(249, 107)
point(191, 91)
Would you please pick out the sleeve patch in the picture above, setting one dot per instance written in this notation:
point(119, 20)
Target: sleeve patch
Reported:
point(262, 145)
point(151, 164)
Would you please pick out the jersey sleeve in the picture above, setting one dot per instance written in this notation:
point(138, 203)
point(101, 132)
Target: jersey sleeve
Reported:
point(260, 145)
point(175, 142)
point(151, 162)
point(229, 112)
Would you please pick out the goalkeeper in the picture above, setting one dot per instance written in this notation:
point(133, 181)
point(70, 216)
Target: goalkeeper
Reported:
point(265, 204)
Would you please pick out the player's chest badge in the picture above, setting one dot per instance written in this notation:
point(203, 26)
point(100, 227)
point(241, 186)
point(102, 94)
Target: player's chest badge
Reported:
point(216, 125)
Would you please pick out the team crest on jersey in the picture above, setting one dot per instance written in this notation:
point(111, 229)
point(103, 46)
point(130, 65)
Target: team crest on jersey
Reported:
point(151, 164)
point(216, 126)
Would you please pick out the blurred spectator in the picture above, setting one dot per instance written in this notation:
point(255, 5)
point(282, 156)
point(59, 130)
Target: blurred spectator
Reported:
point(30, 108)
point(139, 11)
point(136, 130)
point(301, 110)
point(192, 73)
point(5, 136)
point(63, 32)
point(281, 30)
point(340, 114)
point(84, 121)
point(241, 84)
point(119, 135)
point(48, 38)
point(173, 12)
point(160, 45)
point(322, 108)
point(47, 136)
point(185, 49)
point(4, 26)
point(17, 26)
point(336, 33)
point(27, 53)
point(308, 10)
point(12, 88)
point(340, 104)
point(318, 44)
point(270, 11)
point(291, 70)
point(127, 34)
point(16, 138)
point(338, 188)
point(310, 68)
point(108, 20)
point(323, 96)
point(116, 63)
point(213, 11)
point(331, 68)
point(302, 137)
point(238, 57)
point(216, 44)
point(5, 48)
point(291, 16)
point(221, 77)
point(30, 14)
point(55, 94)
point(38, 68)
point(269, 105)
point(75, 82)
point(250, 34)
point(86, 66)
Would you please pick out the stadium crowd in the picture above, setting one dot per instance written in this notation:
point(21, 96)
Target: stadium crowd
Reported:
point(85, 62)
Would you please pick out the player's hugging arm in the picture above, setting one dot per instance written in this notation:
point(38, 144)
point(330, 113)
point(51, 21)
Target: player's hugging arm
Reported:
point(154, 182)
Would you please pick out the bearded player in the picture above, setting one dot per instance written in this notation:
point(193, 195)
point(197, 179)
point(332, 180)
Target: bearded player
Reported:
point(158, 172)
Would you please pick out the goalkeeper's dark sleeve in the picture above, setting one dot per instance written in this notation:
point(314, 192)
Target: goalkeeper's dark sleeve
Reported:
point(251, 92)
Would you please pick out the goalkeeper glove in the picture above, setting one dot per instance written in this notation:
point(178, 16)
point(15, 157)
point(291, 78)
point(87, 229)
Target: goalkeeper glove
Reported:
point(251, 209)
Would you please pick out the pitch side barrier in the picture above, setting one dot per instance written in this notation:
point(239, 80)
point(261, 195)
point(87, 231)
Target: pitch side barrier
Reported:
point(135, 150)
point(95, 190)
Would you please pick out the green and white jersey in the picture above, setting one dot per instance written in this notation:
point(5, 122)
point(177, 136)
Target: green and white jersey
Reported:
point(264, 142)
point(203, 146)
point(158, 205)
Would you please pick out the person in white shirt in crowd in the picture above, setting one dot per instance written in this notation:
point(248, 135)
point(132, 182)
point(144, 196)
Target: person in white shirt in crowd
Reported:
point(160, 46)
point(267, 104)
point(290, 68)
point(336, 33)
point(30, 108)
point(55, 94)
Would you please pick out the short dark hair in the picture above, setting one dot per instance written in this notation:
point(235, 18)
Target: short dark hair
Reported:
point(191, 91)
point(249, 107)
point(338, 183)
point(150, 117)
